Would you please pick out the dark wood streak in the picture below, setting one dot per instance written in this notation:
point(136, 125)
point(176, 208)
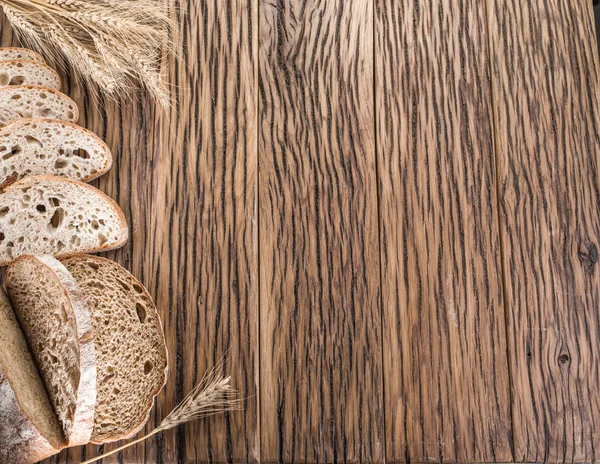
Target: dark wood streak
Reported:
point(321, 372)
point(446, 384)
point(189, 193)
point(546, 93)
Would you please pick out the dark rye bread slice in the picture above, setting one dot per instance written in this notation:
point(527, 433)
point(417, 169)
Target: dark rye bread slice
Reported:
point(130, 346)
point(16, 53)
point(46, 146)
point(29, 428)
point(57, 216)
point(55, 320)
point(34, 101)
point(25, 72)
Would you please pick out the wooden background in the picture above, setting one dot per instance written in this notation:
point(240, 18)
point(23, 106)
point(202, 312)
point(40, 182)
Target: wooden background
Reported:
point(387, 213)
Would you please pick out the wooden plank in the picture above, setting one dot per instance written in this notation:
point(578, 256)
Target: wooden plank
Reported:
point(546, 103)
point(187, 182)
point(446, 384)
point(205, 224)
point(320, 325)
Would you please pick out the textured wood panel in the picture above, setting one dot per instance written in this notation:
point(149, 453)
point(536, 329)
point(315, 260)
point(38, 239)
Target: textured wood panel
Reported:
point(446, 374)
point(320, 325)
point(546, 102)
point(187, 180)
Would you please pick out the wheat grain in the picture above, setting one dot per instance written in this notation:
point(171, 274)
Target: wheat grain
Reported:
point(111, 45)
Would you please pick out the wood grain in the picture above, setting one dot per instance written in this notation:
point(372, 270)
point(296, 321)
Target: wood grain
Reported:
point(446, 384)
point(546, 95)
point(187, 183)
point(320, 322)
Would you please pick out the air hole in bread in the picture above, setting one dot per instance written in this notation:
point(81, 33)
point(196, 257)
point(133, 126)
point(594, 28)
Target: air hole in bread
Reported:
point(57, 218)
point(148, 366)
point(81, 153)
point(123, 284)
point(60, 245)
point(16, 97)
point(70, 115)
point(33, 141)
point(94, 266)
point(41, 208)
point(43, 95)
point(55, 201)
point(4, 211)
point(138, 288)
point(1, 237)
point(60, 163)
point(102, 239)
point(15, 150)
point(46, 112)
point(141, 312)
point(4, 78)
point(17, 80)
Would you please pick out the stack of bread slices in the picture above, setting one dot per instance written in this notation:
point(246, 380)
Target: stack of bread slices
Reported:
point(82, 350)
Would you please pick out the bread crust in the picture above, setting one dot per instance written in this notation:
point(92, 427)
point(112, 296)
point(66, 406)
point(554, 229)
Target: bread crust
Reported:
point(83, 417)
point(119, 213)
point(157, 326)
point(15, 125)
point(38, 58)
point(38, 64)
point(21, 442)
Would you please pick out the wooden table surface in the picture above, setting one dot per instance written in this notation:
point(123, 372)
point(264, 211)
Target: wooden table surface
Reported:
point(387, 213)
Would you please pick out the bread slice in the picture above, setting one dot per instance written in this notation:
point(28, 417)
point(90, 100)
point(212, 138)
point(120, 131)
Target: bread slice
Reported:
point(25, 72)
point(45, 146)
point(57, 216)
point(35, 101)
point(130, 346)
point(15, 53)
point(29, 428)
point(52, 311)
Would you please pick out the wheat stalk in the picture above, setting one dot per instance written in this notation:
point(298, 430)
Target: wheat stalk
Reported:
point(113, 45)
point(211, 396)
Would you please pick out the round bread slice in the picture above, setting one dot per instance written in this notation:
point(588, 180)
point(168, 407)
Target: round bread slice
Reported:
point(25, 72)
point(57, 216)
point(130, 346)
point(35, 101)
point(52, 311)
point(29, 428)
point(46, 146)
point(16, 53)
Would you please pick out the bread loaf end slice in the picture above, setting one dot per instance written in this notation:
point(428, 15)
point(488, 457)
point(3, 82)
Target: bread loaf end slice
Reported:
point(57, 216)
point(131, 350)
point(16, 53)
point(52, 312)
point(29, 428)
point(26, 72)
point(29, 147)
point(34, 101)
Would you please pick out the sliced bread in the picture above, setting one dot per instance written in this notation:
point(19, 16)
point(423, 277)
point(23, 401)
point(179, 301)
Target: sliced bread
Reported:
point(34, 101)
point(15, 53)
point(45, 146)
point(57, 216)
point(25, 72)
point(29, 428)
point(52, 311)
point(130, 346)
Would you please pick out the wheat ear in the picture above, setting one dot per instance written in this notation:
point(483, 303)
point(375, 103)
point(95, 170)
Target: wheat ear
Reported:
point(211, 396)
point(112, 45)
